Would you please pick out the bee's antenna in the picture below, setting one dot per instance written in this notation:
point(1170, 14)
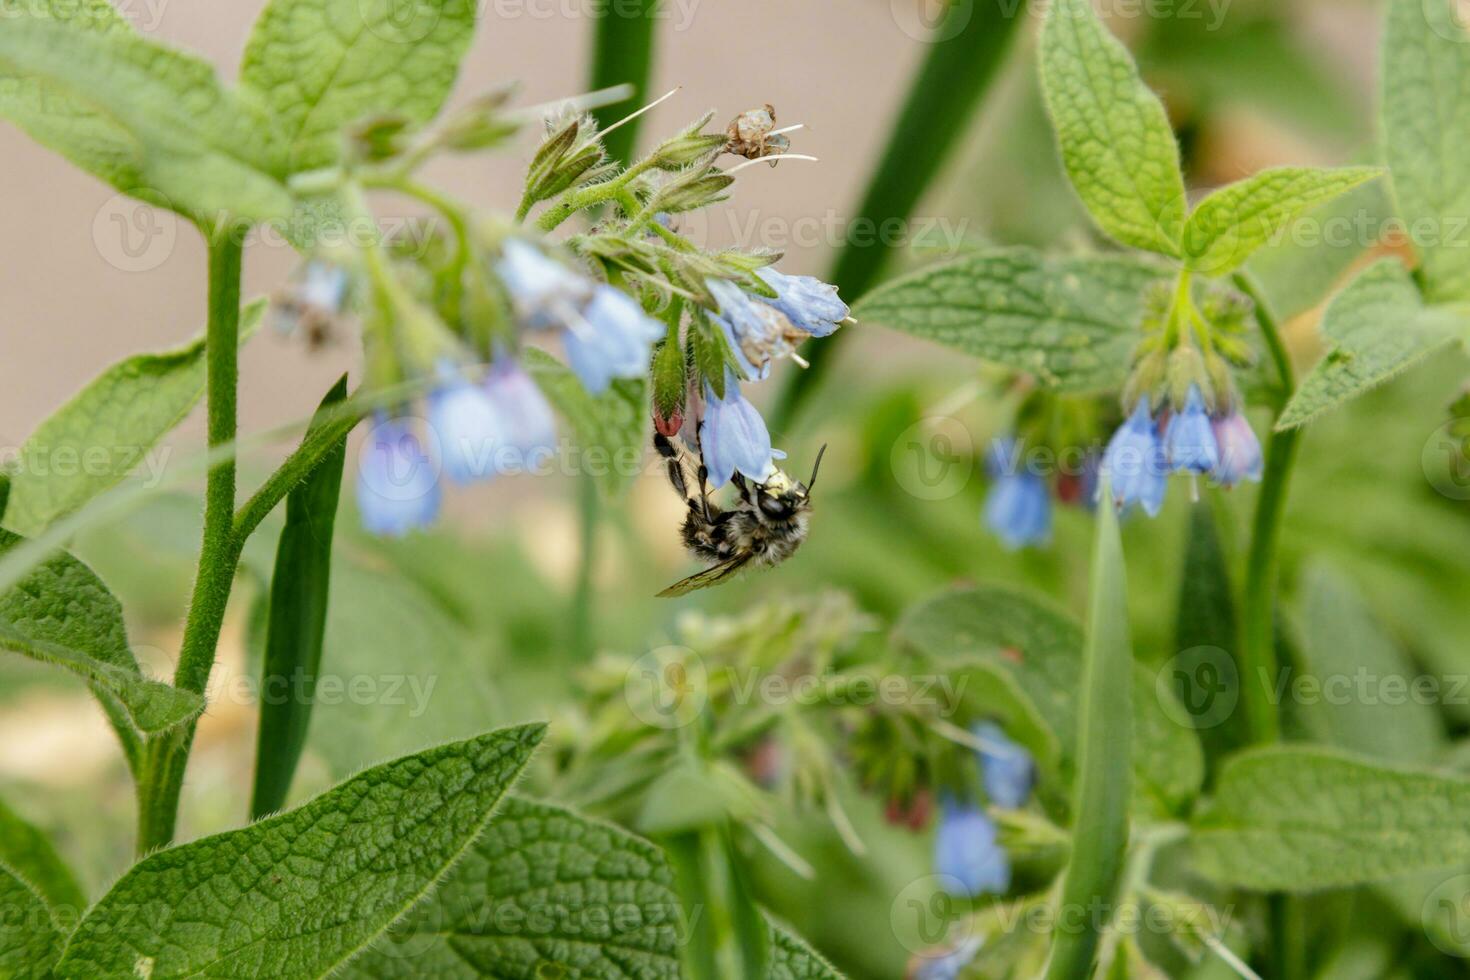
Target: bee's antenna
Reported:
point(816, 466)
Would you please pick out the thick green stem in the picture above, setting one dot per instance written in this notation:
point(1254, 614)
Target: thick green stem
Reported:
point(1258, 666)
point(162, 772)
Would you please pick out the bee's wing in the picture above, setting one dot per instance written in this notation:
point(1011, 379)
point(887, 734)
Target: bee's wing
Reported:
point(713, 575)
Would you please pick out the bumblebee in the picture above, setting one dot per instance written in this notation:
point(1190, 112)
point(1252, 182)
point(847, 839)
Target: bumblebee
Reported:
point(764, 527)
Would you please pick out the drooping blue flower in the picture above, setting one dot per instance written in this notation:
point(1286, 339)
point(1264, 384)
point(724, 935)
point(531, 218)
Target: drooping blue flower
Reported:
point(612, 338)
point(397, 482)
point(467, 425)
point(545, 293)
point(1006, 768)
point(1240, 450)
point(1189, 442)
point(967, 848)
point(734, 437)
point(812, 305)
point(1018, 510)
point(1134, 463)
point(527, 422)
point(758, 333)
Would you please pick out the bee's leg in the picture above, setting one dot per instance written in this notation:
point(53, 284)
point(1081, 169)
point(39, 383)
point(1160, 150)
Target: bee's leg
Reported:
point(704, 488)
point(742, 486)
point(671, 462)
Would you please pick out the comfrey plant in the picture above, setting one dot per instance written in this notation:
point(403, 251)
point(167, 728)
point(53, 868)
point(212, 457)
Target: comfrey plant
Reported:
point(1062, 802)
point(456, 322)
point(336, 104)
point(1139, 778)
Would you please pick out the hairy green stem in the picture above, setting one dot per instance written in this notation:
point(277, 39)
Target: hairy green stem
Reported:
point(588, 197)
point(162, 773)
point(1258, 666)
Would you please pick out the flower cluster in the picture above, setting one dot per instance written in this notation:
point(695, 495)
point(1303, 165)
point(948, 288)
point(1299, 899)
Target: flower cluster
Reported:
point(1183, 411)
point(1147, 448)
point(967, 844)
point(1018, 508)
point(758, 330)
point(450, 317)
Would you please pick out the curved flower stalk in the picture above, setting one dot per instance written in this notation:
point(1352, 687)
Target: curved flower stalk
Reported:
point(450, 314)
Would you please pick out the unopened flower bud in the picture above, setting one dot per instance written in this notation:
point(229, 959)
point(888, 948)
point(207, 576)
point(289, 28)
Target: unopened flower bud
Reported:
point(693, 191)
point(1187, 370)
point(478, 125)
point(378, 138)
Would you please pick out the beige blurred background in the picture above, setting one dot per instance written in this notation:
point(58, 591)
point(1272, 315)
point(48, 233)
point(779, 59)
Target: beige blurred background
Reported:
point(87, 277)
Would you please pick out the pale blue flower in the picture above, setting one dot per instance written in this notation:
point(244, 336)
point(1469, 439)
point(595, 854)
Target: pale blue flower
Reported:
point(1189, 442)
point(1018, 510)
point(612, 338)
point(967, 848)
point(528, 424)
point(397, 482)
point(1006, 768)
point(544, 292)
point(1134, 463)
point(467, 425)
point(812, 305)
point(758, 333)
point(1240, 450)
point(733, 436)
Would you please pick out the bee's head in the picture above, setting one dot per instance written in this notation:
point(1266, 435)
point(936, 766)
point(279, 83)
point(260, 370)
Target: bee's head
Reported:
point(781, 497)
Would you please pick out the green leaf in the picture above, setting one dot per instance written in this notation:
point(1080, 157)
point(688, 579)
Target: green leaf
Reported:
point(301, 893)
point(1316, 253)
point(793, 959)
point(545, 892)
point(320, 65)
point(108, 430)
point(1105, 731)
point(1204, 677)
point(61, 613)
point(30, 940)
point(1305, 819)
point(1070, 322)
point(29, 853)
point(57, 120)
point(1114, 135)
point(730, 937)
point(1039, 649)
point(611, 427)
point(428, 681)
point(1378, 326)
point(1426, 135)
point(152, 121)
point(1232, 223)
point(1343, 648)
point(297, 616)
